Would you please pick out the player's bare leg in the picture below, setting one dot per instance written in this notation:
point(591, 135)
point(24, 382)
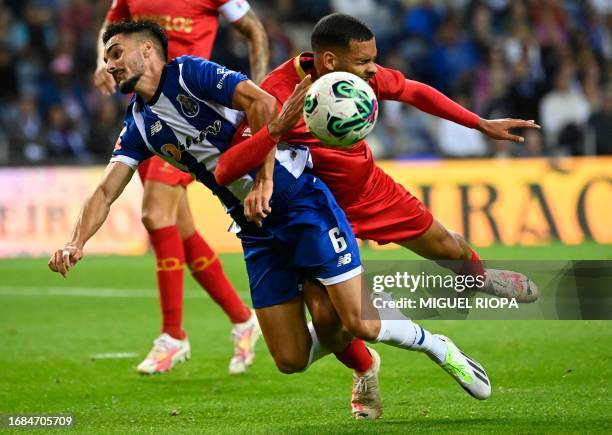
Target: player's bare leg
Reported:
point(363, 320)
point(160, 205)
point(437, 243)
point(365, 398)
point(206, 268)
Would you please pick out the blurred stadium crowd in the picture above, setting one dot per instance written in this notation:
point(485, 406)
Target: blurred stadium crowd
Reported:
point(548, 60)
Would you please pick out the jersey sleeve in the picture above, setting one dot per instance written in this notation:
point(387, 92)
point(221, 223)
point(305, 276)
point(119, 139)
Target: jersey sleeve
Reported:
point(118, 11)
point(233, 10)
point(390, 84)
point(207, 80)
point(130, 148)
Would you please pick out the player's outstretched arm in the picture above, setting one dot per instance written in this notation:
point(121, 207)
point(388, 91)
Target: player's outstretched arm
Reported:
point(392, 85)
point(259, 50)
point(500, 128)
point(260, 108)
point(93, 214)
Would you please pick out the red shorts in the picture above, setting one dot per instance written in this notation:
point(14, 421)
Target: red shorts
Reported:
point(157, 169)
point(387, 213)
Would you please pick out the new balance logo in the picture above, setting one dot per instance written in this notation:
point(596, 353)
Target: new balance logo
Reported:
point(156, 127)
point(345, 259)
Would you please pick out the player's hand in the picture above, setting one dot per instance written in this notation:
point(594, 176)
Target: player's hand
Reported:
point(63, 259)
point(291, 112)
point(499, 128)
point(103, 81)
point(257, 202)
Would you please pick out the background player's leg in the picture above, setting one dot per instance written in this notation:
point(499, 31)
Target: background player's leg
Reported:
point(206, 266)
point(160, 203)
point(207, 270)
point(159, 209)
point(390, 326)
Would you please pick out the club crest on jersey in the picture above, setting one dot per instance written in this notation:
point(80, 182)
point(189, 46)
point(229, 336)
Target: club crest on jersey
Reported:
point(189, 106)
point(171, 150)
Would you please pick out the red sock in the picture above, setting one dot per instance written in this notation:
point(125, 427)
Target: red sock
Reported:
point(170, 263)
point(356, 356)
point(207, 270)
point(473, 266)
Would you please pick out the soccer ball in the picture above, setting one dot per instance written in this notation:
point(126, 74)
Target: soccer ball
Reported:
point(340, 109)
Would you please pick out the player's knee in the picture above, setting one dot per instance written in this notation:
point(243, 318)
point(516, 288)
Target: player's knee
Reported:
point(290, 364)
point(154, 218)
point(364, 329)
point(148, 220)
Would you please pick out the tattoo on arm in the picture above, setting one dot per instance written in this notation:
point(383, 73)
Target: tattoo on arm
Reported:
point(259, 52)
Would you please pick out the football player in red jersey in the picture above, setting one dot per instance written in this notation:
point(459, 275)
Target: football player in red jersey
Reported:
point(191, 27)
point(377, 207)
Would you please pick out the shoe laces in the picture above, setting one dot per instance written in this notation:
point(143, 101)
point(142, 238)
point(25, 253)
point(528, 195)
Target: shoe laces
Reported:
point(361, 386)
point(456, 369)
point(160, 347)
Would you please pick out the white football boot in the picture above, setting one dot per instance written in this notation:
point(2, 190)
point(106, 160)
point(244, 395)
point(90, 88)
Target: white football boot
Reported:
point(467, 372)
point(365, 401)
point(245, 336)
point(510, 285)
point(166, 353)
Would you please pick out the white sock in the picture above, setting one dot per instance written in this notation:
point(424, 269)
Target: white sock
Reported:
point(316, 350)
point(409, 335)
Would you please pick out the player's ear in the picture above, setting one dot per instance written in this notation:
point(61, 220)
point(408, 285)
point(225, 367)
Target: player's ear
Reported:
point(147, 48)
point(329, 61)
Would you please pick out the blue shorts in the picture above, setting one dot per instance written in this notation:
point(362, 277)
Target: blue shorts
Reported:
point(308, 236)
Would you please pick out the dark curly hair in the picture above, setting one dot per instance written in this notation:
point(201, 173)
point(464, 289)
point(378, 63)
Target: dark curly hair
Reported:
point(149, 28)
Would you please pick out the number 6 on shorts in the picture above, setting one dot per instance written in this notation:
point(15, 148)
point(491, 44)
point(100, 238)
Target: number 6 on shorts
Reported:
point(337, 240)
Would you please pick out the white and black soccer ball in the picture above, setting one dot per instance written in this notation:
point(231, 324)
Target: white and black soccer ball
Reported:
point(340, 109)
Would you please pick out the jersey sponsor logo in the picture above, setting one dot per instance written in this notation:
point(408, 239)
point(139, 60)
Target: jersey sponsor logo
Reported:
point(213, 129)
point(171, 150)
point(189, 106)
point(224, 73)
point(345, 259)
point(156, 127)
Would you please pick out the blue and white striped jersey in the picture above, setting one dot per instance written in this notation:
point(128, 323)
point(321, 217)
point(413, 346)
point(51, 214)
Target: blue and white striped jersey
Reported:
point(189, 123)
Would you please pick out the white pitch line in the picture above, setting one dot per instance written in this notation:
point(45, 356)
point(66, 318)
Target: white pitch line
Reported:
point(114, 355)
point(94, 292)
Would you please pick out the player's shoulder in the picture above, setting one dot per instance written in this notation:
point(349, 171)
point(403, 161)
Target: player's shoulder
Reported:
point(281, 78)
point(190, 61)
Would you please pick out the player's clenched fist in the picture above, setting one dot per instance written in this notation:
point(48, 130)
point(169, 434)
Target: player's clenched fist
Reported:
point(63, 259)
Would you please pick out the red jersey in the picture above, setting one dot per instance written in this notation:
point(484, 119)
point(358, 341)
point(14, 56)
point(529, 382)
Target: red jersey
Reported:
point(191, 24)
point(351, 173)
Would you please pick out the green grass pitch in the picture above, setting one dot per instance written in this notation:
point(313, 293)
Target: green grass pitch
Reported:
point(548, 376)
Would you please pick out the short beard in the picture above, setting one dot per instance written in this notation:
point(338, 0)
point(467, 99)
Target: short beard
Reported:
point(127, 86)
